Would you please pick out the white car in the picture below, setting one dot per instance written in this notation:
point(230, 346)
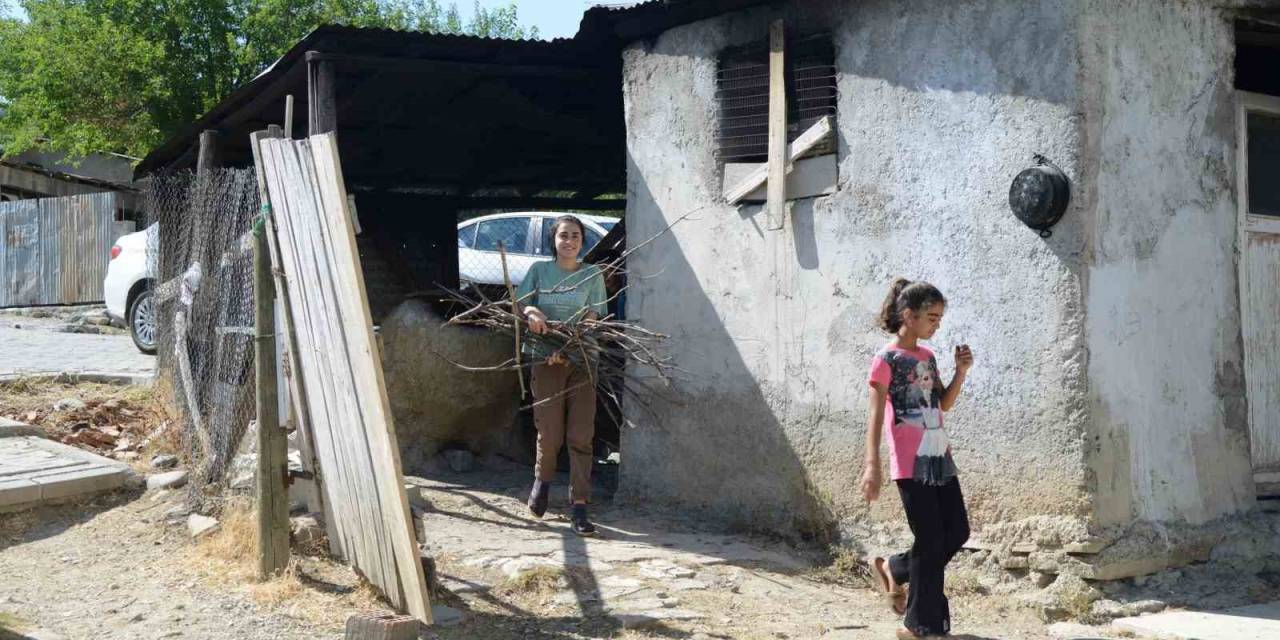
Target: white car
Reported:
point(127, 289)
point(526, 235)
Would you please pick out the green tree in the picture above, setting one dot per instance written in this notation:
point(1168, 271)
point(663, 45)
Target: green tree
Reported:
point(87, 76)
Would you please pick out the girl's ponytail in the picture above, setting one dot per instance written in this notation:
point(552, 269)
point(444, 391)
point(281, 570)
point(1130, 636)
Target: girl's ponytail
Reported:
point(903, 295)
point(890, 315)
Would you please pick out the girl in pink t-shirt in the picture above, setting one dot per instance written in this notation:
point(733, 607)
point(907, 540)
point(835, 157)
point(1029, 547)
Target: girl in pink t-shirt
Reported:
point(907, 402)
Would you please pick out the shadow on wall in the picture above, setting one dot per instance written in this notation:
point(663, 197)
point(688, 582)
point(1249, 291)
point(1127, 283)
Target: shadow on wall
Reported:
point(717, 443)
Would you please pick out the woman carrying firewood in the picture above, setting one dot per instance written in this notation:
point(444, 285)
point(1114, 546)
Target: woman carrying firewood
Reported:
point(562, 292)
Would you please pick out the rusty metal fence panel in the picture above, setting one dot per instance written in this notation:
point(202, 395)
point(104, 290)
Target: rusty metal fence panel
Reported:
point(56, 250)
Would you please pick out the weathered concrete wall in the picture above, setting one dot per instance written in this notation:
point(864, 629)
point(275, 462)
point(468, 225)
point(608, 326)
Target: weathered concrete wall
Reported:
point(1165, 372)
point(941, 104)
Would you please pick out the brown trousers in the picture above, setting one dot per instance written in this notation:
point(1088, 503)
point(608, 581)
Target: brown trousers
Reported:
point(568, 417)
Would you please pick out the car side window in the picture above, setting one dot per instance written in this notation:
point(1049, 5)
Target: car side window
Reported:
point(511, 232)
point(589, 242)
point(467, 236)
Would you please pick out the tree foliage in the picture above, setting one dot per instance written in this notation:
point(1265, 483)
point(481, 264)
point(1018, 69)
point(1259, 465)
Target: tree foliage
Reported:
point(91, 76)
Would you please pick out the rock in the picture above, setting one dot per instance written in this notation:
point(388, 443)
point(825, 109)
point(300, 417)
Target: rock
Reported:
point(1106, 610)
point(1068, 597)
point(68, 404)
point(417, 498)
point(479, 411)
point(665, 570)
point(179, 511)
point(244, 470)
point(1042, 580)
point(445, 616)
point(460, 460)
point(170, 480)
point(640, 620)
point(1143, 606)
point(308, 533)
point(164, 461)
point(201, 526)
point(1014, 563)
point(686, 584)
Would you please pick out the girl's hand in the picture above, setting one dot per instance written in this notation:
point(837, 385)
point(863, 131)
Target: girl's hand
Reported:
point(537, 321)
point(556, 358)
point(964, 358)
point(871, 482)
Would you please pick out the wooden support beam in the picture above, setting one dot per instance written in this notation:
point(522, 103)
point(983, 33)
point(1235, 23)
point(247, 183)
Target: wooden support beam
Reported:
point(322, 103)
point(812, 137)
point(494, 202)
point(470, 69)
point(777, 193)
point(288, 116)
point(209, 157)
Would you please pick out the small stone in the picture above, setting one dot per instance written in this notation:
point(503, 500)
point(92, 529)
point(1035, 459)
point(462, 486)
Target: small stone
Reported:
point(308, 533)
point(1014, 563)
point(200, 526)
point(164, 461)
point(170, 480)
point(1143, 606)
point(180, 511)
point(1042, 580)
point(68, 404)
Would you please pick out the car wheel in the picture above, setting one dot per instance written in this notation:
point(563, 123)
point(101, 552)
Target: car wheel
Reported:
point(142, 322)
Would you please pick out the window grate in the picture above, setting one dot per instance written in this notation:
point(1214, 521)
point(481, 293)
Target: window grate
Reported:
point(742, 92)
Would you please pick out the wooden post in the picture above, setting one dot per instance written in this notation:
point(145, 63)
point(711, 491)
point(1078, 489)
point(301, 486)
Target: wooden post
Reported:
point(322, 103)
point(296, 392)
point(777, 191)
point(288, 116)
point(273, 495)
point(209, 158)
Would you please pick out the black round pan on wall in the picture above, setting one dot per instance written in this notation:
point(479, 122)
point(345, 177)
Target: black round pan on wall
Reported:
point(1039, 196)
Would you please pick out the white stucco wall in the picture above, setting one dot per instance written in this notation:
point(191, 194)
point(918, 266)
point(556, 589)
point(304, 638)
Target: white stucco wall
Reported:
point(941, 104)
point(1165, 377)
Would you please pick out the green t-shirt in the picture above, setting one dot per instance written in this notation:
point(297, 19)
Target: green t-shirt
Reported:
point(563, 295)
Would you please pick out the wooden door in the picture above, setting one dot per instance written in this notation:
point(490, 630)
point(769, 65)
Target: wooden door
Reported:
point(1258, 134)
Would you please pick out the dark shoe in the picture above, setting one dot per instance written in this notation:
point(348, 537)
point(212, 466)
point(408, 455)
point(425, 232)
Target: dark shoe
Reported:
point(538, 497)
point(581, 525)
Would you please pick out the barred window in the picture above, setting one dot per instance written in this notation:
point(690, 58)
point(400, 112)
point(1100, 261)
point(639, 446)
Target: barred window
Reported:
point(742, 90)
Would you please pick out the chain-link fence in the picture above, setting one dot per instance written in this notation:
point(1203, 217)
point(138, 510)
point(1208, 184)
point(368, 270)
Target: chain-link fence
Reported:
point(202, 289)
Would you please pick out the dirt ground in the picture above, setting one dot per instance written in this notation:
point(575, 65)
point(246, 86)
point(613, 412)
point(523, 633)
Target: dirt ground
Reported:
point(125, 566)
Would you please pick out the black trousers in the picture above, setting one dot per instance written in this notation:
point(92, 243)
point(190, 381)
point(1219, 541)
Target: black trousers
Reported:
point(941, 526)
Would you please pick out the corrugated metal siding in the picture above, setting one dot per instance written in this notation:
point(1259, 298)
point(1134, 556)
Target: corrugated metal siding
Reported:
point(56, 250)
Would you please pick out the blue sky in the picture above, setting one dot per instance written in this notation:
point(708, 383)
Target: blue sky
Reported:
point(554, 18)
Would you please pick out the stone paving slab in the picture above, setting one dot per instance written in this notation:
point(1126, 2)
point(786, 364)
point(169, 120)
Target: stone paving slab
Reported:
point(33, 351)
point(35, 470)
point(1254, 622)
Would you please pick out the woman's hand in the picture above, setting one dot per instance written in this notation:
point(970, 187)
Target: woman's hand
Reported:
point(871, 481)
point(964, 358)
point(556, 358)
point(536, 319)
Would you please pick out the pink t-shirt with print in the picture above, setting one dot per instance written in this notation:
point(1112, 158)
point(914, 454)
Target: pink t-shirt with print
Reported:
point(913, 408)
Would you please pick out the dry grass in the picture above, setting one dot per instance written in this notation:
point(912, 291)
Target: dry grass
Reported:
point(11, 622)
point(539, 580)
point(848, 568)
point(228, 559)
point(14, 526)
point(138, 414)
